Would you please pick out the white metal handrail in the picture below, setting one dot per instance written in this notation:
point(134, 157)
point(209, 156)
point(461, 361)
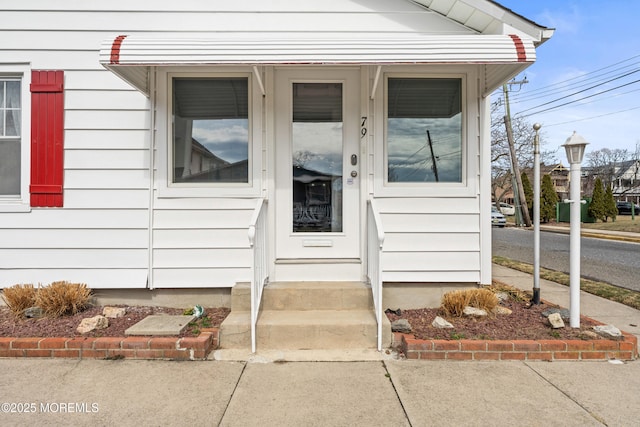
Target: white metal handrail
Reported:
point(375, 235)
point(259, 258)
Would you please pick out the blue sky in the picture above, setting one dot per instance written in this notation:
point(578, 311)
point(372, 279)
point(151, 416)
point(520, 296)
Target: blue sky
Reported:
point(595, 41)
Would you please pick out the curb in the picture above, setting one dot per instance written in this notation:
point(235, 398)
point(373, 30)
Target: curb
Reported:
point(593, 234)
point(611, 237)
point(112, 348)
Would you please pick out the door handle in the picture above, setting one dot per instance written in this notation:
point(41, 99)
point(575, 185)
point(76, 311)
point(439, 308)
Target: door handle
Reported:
point(354, 159)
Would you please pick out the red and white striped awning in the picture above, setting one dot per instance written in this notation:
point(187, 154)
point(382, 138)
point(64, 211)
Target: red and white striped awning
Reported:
point(503, 55)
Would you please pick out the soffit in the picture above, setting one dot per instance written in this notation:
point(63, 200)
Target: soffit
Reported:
point(488, 17)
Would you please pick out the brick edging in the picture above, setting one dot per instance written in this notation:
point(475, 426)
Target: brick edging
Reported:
point(548, 350)
point(133, 347)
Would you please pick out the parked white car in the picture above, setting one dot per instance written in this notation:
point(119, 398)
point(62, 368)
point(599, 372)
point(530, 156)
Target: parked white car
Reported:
point(497, 219)
point(506, 208)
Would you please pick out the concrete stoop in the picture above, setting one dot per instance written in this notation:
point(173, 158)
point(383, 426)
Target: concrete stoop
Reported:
point(304, 316)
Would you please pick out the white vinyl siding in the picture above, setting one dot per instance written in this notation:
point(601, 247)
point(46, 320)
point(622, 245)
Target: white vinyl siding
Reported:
point(435, 240)
point(112, 213)
point(100, 236)
point(200, 242)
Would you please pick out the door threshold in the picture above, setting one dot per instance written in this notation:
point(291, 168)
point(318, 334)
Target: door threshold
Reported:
point(318, 261)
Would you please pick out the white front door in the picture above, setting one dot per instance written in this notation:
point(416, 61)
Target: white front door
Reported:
point(317, 174)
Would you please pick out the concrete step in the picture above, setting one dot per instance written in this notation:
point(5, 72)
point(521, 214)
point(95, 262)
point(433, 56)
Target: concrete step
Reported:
point(235, 330)
point(317, 296)
point(305, 315)
point(241, 297)
point(316, 329)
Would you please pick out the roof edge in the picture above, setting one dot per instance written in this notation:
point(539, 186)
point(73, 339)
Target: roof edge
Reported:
point(502, 17)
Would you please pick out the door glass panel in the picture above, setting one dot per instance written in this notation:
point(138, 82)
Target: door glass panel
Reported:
point(317, 157)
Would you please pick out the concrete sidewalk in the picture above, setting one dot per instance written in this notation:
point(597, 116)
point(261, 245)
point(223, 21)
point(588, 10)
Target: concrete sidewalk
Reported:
point(53, 392)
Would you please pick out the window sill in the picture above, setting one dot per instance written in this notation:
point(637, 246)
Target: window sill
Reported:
point(239, 191)
point(425, 190)
point(14, 207)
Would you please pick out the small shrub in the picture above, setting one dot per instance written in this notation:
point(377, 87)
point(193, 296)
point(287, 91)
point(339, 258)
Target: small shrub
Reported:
point(454, 302)
point(62, 298)
point(19, 297)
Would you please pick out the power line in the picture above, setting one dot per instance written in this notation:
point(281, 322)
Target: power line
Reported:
point(573, 79)
point(576, 100)
point(582, 91)
point(530, 96)
point(592, 117)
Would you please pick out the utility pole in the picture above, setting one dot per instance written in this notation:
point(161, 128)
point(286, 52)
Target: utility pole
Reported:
point(434, 166)
point(518, 191)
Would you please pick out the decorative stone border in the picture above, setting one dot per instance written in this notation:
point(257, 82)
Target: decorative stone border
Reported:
point(548, 350)
point(134, 347)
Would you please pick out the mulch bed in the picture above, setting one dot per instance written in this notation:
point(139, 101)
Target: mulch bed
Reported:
point(525, 323)
point(65, 326)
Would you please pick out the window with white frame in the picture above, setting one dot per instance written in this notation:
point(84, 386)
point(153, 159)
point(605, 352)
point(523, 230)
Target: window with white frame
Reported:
point(424, 130)
point(210, 140)
point(10, 136)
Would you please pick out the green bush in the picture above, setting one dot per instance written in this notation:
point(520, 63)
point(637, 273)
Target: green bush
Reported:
point(548, 199)
point(597, 206)
point(610, 207)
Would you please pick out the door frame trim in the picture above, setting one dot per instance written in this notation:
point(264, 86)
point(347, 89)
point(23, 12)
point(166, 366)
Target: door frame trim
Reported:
point(360, 79)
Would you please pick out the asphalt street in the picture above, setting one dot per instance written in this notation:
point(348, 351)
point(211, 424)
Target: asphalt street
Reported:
point(609, 261)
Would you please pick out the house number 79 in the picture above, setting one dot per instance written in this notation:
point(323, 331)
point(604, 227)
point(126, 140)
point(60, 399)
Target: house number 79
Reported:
point(363, 128)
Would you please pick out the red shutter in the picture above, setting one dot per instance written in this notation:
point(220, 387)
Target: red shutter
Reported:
point(47, 138)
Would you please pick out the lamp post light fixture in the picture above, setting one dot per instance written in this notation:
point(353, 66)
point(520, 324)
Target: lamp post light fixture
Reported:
point(574, 146)
point(536, 215)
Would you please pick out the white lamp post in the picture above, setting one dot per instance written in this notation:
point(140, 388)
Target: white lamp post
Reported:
point(536, 215)
point(574, 146)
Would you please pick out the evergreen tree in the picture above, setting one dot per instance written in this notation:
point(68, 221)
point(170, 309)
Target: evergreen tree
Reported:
point(611, 210)
point(548, 200)
point(597, 206)
point(528, 193)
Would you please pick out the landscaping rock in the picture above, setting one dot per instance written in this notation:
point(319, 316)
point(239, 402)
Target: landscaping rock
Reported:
point(33, 312)
point(114, 312)
point(564, 313)
point(474, 312)
point(555, 320)
point(401, 325)
point(498, 309)
point(92, 323)
point(440, 323)
point(502, 296)
point(608, 331)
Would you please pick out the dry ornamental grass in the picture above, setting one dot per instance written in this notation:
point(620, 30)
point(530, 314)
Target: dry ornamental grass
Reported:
point(62, 298)
point(454, 302)
point(19, 297)
point(55, 300)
